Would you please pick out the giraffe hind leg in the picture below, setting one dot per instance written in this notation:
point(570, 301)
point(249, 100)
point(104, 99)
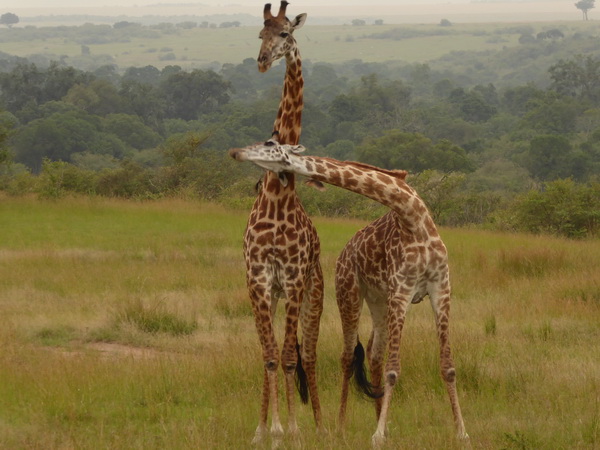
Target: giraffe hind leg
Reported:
point(301, 379)
point(396, 315)
point(441, 306)
point(310, 319)
point(349, 304)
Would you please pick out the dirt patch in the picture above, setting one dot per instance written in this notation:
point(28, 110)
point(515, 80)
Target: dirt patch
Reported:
point(112, 350)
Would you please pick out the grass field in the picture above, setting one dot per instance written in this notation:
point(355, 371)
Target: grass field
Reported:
point(127, 325)
point(199, 47)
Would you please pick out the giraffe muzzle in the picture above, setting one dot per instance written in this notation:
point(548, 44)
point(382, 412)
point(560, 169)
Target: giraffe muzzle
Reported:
point(264, 62)
point(238, 154)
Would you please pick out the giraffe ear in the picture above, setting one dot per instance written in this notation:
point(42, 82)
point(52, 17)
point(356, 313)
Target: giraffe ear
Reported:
point(298, 21)
point(295, 149)
point(315, 184)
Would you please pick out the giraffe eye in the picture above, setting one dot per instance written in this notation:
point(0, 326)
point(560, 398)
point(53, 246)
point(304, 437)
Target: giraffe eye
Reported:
point(284, 34)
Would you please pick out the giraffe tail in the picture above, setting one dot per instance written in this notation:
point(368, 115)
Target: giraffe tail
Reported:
point(301, 381)
point(360, 374)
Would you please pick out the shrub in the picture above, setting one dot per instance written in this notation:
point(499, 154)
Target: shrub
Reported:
point(58, 178)
point(155, 319)
point(560, 207)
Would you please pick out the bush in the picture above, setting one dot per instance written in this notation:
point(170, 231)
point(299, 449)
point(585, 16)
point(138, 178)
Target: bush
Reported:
point(130, 180)
point(560, 207)
point(58, 178)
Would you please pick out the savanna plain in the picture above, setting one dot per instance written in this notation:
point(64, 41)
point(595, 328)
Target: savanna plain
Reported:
point(127, 325)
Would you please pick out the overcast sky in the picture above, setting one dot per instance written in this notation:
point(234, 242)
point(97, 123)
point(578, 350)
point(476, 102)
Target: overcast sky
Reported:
point(129, 3)
point(393, 11)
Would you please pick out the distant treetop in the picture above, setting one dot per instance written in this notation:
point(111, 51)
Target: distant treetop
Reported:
point(9, 19)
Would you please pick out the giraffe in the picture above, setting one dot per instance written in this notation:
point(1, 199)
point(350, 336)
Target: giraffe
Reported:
point(281, 248)
point(394, 261)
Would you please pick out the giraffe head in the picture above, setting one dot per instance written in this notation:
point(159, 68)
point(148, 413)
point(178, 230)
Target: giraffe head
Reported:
point(270, 155)
point(276, 35)
point(279, 158)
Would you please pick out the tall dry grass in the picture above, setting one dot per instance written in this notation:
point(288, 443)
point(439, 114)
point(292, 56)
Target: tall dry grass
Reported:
point(80, 368)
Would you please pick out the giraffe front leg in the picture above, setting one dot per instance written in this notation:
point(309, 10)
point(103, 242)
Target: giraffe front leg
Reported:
point(289, 355)
point(261, 429)
point(263, 315)
point(396, 314)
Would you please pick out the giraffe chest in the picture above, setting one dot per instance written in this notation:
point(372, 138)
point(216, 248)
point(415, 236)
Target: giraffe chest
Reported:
point(291, 242)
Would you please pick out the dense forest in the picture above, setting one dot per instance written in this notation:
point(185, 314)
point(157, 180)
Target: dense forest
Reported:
point(518, 152)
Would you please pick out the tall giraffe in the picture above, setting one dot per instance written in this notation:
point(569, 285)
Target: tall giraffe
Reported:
point(282, 249)
point(396, 260)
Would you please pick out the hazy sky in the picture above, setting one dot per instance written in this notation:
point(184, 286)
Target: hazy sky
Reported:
point(128, 3)
point(393, 11)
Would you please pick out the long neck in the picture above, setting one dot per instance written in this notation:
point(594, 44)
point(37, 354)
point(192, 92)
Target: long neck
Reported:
point(288, 123)
point(387, 187)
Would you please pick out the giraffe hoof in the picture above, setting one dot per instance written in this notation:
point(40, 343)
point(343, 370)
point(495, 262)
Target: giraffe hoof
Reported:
point(463, 436)
point(259, 435)
point(377, 440)
point(276, 431)
point(294, 431)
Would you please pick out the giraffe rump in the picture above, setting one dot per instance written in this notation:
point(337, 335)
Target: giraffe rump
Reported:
point(359, 371)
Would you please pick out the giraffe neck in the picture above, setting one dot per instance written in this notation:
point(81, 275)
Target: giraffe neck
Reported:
point(288, 123)
point(387, 187)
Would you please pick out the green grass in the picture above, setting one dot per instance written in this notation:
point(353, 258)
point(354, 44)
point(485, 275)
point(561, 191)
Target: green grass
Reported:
point(127, 325)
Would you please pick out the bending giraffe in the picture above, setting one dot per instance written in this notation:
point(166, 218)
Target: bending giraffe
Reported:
point(282, 249)
point(396, 260)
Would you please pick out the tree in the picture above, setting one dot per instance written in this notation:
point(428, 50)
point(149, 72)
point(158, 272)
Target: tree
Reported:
point(578, 77)
point(9, 19)
point(413, 152)
point(189, 94)
point(585, 6)
point(472, 105)
point(59, 136)
point(99, 97)
point(551, 156)
point(131, 130)
point(7, 123)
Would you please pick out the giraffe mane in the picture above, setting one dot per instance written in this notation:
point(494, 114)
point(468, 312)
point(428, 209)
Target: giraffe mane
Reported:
point(400, 174)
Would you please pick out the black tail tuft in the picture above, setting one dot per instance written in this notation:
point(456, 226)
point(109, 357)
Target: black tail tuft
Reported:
point(360, 374)
point(301, 382)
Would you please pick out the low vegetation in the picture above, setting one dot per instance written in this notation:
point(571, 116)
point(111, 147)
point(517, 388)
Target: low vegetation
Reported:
point(499, 127)
point(127, 325)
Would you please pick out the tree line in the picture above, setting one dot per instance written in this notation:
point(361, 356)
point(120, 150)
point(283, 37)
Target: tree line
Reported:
point(478, 154)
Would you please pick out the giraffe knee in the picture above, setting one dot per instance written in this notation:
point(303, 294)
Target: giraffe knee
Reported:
point(391, 377)
point(271, 365)
point(449, 375)
point(289, 364)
